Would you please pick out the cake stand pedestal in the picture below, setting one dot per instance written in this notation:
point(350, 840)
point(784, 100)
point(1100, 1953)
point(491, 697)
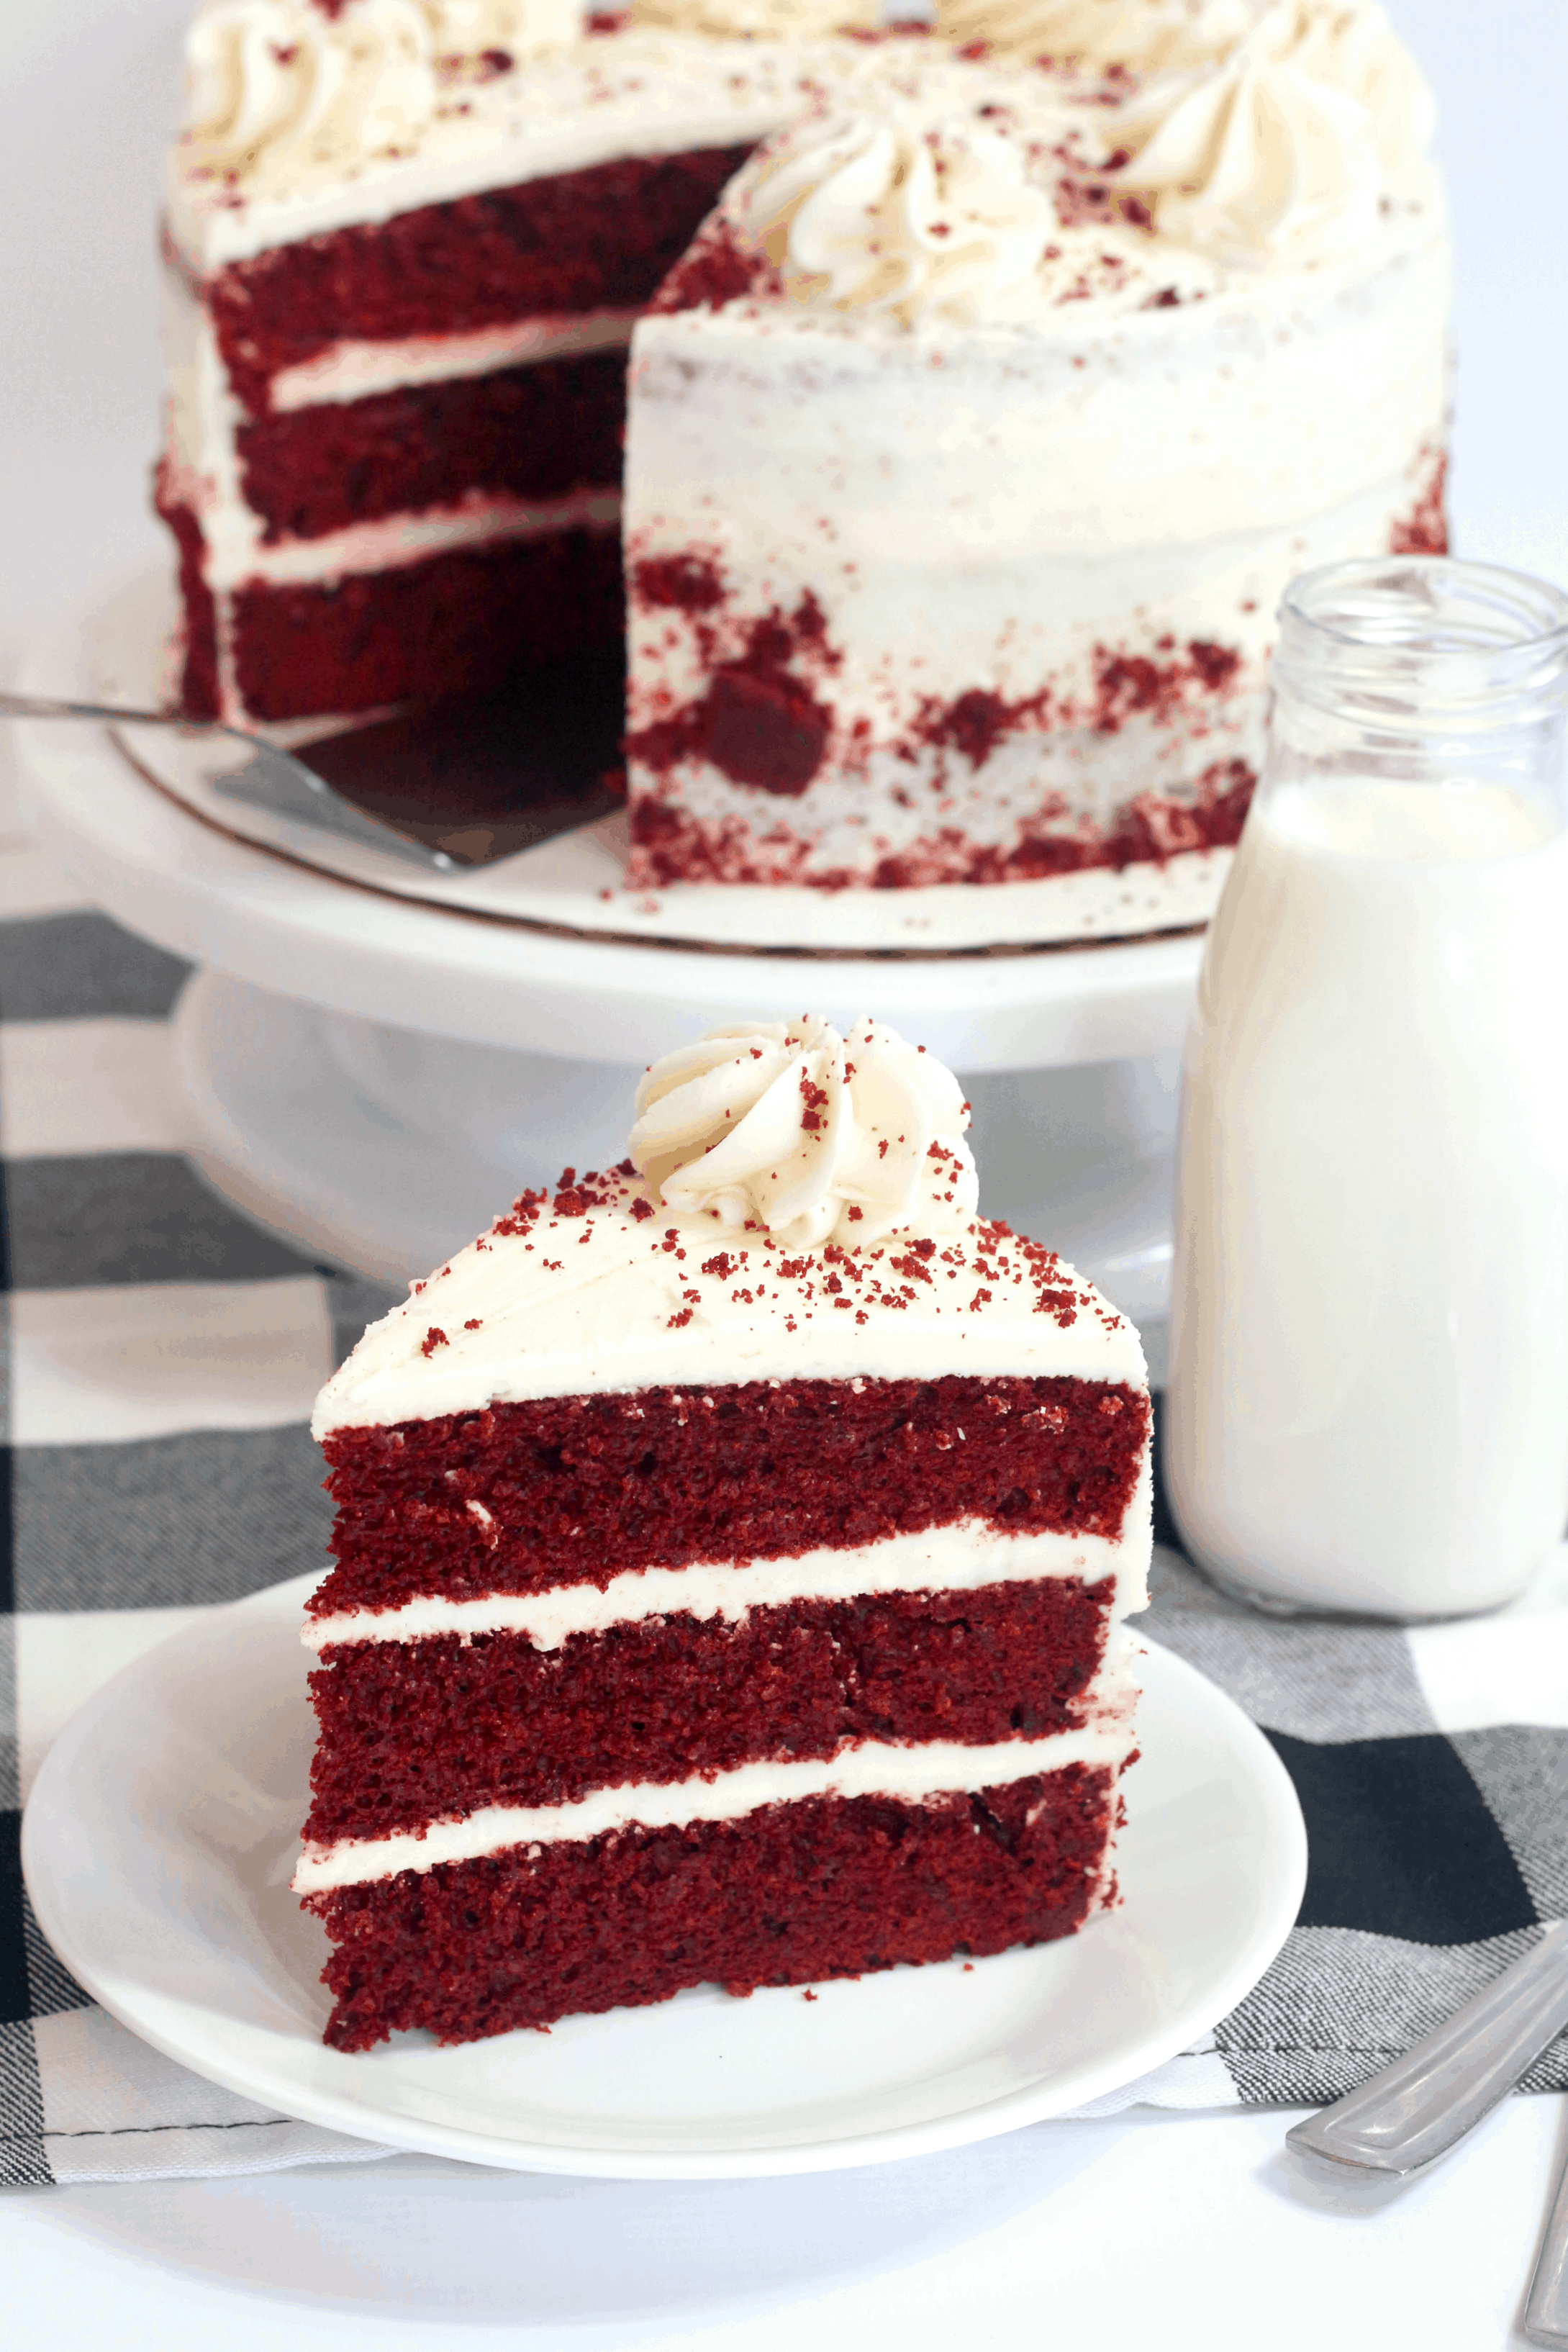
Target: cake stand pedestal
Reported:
point(374, 1076)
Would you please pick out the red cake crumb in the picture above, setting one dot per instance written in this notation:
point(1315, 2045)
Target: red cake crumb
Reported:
point(758, 722)
point(456, 624)
point(1424, 530)
point(436, 1727)
point(1129, 685)
point(688, 583)
point(533, 432)
point(579, 1489)
point(975, 723)
point(794, 1893)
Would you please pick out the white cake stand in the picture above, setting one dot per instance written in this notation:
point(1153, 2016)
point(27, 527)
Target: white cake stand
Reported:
point(373, 1077)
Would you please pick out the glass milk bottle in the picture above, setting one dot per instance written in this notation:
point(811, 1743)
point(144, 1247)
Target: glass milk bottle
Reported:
point(1368, 1395)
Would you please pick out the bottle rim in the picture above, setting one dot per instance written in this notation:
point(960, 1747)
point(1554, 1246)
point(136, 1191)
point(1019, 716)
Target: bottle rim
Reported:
point(1468, 634)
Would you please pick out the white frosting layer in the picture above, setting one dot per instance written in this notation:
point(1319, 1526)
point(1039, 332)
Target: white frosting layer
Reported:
point(610, 1301)
point(353, 371)
point(873, 1769)
point(786, 1128)
point(965, 1557)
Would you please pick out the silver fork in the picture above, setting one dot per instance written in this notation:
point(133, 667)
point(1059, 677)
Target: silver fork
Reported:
point(240, 767)
point(1421, 2105)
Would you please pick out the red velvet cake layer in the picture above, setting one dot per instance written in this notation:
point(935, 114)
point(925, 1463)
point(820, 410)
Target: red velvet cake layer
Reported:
point(792, 1895)
point(600, 239)
point(199, 665)
point(437, 1728)
point(455, 624)
point(536, 432)
point(575, 1489)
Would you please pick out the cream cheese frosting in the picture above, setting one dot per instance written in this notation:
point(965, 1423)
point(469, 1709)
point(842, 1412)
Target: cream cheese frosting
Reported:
point(1285, 147)
point(893, 214)
point(1250, 130)
point(1275, 137)
point(872, 1768)
point(277, 85)
point(608, 1286)
point(775, 19)
point(964, 1556)
point(789, 1129)
point(1141, 35)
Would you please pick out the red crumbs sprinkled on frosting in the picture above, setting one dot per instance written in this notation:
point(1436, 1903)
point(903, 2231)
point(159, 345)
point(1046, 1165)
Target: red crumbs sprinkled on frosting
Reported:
point(690, 582)
point(1424, 530)
point(434, 1337)
point(975, 722)
point(1129, 685)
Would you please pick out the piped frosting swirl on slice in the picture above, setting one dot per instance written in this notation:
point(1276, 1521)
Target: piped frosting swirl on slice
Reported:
point(793, 1130)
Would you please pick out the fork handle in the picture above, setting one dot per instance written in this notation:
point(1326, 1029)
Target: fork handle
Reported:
point(1416, 2109)
point(1546, 2313)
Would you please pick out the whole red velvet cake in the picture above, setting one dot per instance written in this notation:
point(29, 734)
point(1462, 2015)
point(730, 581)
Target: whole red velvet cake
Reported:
point(730, 1555)
point(981, 384)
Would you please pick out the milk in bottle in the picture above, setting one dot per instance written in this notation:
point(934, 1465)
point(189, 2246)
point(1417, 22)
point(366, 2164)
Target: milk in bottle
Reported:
point(1368, 1399)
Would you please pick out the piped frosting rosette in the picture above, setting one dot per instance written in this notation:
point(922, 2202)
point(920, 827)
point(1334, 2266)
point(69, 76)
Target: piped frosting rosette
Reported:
point(275, 83)
point(810, 1136)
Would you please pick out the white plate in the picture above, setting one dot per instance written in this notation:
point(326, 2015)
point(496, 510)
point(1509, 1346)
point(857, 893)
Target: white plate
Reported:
point(163, 1831)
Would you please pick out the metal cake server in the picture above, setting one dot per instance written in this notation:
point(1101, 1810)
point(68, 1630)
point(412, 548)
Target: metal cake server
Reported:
point(242, 768)
point(1418, 2108)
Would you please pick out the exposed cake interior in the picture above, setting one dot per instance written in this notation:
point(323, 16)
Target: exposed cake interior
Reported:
point(730, 1563)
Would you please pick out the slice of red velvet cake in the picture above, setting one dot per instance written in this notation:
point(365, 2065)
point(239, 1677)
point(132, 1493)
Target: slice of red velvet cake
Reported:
point(730, 1560)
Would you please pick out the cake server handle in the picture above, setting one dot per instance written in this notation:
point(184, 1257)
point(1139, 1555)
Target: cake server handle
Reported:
point(1417, 2109)
point(49, 705)
point(270, 778)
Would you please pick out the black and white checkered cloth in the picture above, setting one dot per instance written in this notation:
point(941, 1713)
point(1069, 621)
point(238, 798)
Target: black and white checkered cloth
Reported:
point(159, 1358)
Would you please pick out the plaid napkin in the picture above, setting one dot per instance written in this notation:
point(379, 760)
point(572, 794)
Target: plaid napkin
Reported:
point(161, 1356)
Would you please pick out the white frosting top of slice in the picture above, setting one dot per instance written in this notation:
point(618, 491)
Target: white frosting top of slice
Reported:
point(622, 1281)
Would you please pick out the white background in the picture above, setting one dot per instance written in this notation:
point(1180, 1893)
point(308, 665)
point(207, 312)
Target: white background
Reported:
point(1148, 2230)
